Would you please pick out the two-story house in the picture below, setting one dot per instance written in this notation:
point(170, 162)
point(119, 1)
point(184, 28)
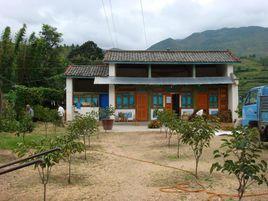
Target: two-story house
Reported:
point(138, 82)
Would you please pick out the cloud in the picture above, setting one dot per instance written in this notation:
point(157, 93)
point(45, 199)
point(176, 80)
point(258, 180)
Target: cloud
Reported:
point(83, 20)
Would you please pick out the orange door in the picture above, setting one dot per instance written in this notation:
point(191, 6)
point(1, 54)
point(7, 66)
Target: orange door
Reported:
point(142, 107)
point(202, 101)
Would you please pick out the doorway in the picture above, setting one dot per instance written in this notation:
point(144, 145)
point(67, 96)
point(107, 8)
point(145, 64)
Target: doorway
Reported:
point(142, 107)
point(176, 103)
point(202, 102)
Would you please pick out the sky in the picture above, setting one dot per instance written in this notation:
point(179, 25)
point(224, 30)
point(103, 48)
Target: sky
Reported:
point(122, 24)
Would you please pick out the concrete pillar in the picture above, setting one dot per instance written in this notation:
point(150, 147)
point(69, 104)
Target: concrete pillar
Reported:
point(112, 97)
point(69, 99)
point(233, 99)
point(112, 70)
point(194, 71)
point(149, 71)
point(229, 70)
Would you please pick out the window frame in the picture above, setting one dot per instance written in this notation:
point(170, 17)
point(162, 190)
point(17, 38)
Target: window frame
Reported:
point(248, 98)
point(123, 95)
point(211, 105)
point(159, 103)
point(188, 95)
point(85, 96)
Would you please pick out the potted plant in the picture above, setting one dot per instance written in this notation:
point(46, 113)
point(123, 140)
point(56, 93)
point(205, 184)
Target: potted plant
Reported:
point(105, 116)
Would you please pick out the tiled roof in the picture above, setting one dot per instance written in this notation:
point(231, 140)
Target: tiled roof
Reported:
point(170, 56)
point(86, 71)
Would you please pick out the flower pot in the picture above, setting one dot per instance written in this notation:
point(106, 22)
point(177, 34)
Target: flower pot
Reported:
point(107, 124)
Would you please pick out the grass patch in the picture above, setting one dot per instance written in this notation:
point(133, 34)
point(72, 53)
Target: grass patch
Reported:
point(9, 140)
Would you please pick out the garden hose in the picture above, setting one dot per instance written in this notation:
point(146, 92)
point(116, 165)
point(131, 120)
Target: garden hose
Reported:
point(185, 187)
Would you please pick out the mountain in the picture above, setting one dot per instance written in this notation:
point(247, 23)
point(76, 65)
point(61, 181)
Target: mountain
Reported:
point(242, 41)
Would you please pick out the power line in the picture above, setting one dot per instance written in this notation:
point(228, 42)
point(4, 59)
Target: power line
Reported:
point(108, 24)
point(113, 23)
point(143, 22)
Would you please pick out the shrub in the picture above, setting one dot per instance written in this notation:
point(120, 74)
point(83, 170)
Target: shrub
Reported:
point(8, 122)
point(154, 124)
point(241, 153)
point(197, 134)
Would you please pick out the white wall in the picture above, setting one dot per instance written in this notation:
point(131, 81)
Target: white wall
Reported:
point(112, 97)
point(187, 111)
point(132, 111)
point(69, 99)
point(229, 70)
point(233, 99)
point(85, 110)
point(111, 69)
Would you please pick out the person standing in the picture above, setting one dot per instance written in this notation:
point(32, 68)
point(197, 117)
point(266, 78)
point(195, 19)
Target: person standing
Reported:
point(61, 113)
point(29, 111)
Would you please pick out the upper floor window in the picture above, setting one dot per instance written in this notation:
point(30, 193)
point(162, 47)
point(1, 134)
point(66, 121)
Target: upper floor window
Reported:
point(251, 97)
point(157, 100)
point(213, 100)
point(187, 100)
point(125, 100)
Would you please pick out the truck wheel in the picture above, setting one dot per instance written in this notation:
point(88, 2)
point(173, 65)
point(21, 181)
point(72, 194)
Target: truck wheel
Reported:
point(264, 135)
point(253, 124)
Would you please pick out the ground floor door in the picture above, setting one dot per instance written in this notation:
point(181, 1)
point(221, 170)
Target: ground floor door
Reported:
point(104, 100)
point(176, 103)
point(141, 107)
point(202, 102)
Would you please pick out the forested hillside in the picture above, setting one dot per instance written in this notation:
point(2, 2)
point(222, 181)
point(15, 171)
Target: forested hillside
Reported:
point(243, 41)
point(251, 72)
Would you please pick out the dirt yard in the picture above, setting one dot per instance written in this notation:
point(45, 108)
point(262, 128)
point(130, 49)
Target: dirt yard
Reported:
point(113, 173)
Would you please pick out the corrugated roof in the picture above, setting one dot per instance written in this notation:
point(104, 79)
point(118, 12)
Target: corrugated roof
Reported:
point(163, 80)
point(87, 71)
point(117, 56)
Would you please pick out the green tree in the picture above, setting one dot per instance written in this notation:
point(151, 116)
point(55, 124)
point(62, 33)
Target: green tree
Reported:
point(6, 59)
point(241, 155)
point(25, 125)
point(69, 146)
point(197, 134)
point(49, 160)
point(87, 53)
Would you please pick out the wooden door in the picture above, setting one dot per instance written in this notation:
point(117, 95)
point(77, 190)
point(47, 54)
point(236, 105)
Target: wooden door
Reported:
point(223, 99)
point(141, 107)
point(202, 102)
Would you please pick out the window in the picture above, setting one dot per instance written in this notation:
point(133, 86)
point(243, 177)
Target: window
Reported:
point(125, 100)
point(187, 100)
point(213, 100)
point(157, 100)
point(86, 100)
point(251, 98)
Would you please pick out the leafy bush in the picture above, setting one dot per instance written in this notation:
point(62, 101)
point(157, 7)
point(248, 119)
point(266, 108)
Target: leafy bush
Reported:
point(197, 134)
point(23, 95)
point(154, 124)
point(8, 122)
point(241, 153)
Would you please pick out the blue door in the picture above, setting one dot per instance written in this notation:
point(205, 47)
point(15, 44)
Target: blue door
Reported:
point(104, 100)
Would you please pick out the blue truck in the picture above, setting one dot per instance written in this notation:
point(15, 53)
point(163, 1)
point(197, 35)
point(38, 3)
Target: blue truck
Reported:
point(255, 110)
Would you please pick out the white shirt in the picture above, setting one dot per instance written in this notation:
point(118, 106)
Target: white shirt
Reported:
point(61, 111)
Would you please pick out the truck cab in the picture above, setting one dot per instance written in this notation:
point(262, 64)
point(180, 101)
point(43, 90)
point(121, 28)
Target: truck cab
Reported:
point(255, 110)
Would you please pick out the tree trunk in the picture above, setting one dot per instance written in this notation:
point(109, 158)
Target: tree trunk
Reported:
point(45, 191)
point(69, 178)
point(89, 140)
point(85, 148)
point(196, 167)
point(46, 128)
point(178, 150)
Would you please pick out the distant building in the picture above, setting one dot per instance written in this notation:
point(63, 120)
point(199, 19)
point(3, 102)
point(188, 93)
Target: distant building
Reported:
point(138, 82)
